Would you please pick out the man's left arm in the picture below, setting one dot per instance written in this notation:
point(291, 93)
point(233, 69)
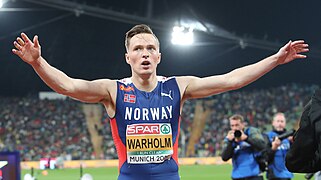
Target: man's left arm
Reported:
point(195, 87)
point(256, 139)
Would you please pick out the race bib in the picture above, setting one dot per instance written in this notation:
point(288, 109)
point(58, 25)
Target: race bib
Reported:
point(148, 143)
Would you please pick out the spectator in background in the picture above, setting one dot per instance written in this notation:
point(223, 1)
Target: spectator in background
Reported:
point(60, 160)
point(38, 132)
point(278, 149)
point(242, 144)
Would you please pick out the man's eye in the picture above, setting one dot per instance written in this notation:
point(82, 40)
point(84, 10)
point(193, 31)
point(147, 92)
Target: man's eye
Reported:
point(151, 49)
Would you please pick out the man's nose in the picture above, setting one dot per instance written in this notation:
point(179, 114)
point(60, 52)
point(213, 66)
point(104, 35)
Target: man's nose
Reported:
point(145, 54)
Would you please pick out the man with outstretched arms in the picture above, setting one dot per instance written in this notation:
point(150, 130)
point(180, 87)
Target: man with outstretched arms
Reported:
point(145, 108)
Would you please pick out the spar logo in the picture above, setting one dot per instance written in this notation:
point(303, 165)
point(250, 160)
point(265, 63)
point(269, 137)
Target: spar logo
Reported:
point(139, 129)
point(165, 129)
point(135, 129)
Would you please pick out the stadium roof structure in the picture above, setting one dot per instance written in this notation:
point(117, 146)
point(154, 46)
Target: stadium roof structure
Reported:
point(85, 39)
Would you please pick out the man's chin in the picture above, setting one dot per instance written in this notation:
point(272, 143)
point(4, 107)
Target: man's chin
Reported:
point(146, 72)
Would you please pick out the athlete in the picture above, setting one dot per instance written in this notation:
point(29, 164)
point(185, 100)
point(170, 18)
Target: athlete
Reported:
point(145, 108)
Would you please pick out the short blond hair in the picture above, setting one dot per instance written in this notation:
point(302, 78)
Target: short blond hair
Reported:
point(138, 29)
point(237, 117)
point(278, 114)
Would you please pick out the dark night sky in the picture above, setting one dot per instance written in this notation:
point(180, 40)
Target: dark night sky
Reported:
point(90, 48)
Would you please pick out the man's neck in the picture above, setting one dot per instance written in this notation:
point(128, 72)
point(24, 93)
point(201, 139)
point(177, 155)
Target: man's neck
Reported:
point(145, 83)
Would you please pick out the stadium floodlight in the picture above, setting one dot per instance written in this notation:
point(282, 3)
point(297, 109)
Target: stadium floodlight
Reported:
point(3, 163)
point(182, 35)
point(2, 2)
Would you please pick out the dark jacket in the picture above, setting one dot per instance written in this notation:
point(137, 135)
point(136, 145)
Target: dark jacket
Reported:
point(304, 154)
point(256, 140)
point(243, 154)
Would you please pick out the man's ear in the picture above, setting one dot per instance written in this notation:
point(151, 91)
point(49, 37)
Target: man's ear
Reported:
point(127, 58)
point(159, 58)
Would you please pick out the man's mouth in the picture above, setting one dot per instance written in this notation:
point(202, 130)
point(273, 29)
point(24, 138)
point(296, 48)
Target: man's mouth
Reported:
point(145, 63)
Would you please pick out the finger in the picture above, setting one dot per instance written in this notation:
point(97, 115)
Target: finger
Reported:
point(302, 50)
point(294, 43)
point(20, 41)
point(286, 46)
point(36, 41)
point(300, 56)
point(17, 45)
point(16, 52)
point(301, 46)
point(25, 38)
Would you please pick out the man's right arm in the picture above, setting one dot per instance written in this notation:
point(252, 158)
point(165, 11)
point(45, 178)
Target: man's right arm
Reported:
point(83, 90)
point(87, 91)
point(228, 150)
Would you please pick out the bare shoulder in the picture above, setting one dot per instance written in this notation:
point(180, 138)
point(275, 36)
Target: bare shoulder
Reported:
point(183, 82)
point(109, 87)
point(197, 87)
point(107, 84)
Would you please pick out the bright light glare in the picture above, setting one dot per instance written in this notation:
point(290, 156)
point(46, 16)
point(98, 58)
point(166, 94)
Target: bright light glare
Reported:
point(1, 3)
point(182, 35)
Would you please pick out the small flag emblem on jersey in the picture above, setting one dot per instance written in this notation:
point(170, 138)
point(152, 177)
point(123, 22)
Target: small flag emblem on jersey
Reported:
point(130, 98)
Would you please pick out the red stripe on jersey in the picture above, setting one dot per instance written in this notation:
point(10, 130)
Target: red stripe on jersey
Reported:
point(120, 147)
point(175, 154)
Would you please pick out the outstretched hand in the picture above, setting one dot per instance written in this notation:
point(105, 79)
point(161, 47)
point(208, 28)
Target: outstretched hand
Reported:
point(29, 51)
point(292, 51)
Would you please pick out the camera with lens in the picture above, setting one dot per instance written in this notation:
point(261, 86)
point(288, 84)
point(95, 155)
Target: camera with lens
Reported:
point(285, 135)
point(237, 133)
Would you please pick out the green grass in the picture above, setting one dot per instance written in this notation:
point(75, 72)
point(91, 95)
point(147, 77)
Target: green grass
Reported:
point(203, 172)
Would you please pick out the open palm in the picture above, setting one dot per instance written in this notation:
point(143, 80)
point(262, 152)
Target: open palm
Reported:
point(292, 51)
point(27, 50)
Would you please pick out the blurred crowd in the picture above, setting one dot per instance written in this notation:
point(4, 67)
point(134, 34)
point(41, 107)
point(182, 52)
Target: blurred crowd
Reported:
point(52, 128)
point(44, 128)
point(257, 107)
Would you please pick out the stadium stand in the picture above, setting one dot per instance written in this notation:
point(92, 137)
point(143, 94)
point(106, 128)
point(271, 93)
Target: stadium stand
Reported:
point(52, 128)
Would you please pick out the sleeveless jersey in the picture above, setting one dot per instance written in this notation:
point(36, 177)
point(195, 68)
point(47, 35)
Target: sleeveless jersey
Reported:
point(145, 130)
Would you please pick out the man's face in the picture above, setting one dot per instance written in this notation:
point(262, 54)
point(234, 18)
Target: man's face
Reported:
point(143, 54)
point(279, 122)
point(236, 125)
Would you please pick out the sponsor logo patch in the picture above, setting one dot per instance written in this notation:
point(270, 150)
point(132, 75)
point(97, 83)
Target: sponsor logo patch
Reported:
point(126, 89)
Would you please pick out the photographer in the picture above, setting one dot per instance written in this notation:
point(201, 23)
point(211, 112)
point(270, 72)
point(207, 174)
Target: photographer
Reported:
point(242, 144)
point(280, 140)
